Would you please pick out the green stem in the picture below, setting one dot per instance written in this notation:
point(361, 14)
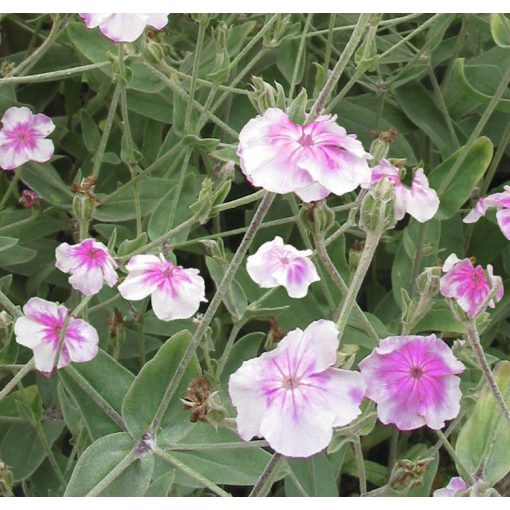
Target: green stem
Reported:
point(360, 466)
point(12, 187)
point(502, 87)
point(297, 64)
point(248, 199)
point(112, 475)
point(263, 484)
point(324, 257)
point(371, 243)
point(29, 62)
point(474, 341)
point(228, 348)
point(212, 308)
point(466, 475)
point(9, 306)
point(218, 446)
point(196, 65)
point(176, 463)
point(17, 378)
point(336, 74)
point(104, 304)
point(98, 157)
point(53, 75)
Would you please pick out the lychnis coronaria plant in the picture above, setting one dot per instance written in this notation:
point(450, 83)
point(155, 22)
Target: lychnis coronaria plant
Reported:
point(254, 255)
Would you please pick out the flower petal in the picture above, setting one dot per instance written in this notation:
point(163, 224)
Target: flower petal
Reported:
point(81, 341)
point(503, 217)
point(422, 200)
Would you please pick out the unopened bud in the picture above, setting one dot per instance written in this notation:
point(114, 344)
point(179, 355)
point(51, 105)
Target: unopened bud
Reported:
point(377, 211)
point(428, 281)
point(83, 207)
point(29, 199)
point(154, 52)
point(6, 480)
point(203, 206)
point(323, 217)
point(5, 319)
point(273, 38)
point(408, 474)
point(264, 95)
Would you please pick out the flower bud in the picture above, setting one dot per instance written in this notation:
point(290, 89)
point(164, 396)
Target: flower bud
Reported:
point(408, 474)
point(264, 95)
point(154, 52)
point(273, 38)
point(6, 480)
point(323, 217)
point(377, 211)
point(355, 254)
point(29, 199)
point(83, 207)
point(203, 206)
point(5, 319)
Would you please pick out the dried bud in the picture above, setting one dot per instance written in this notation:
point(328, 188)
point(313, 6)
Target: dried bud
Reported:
point(407, 474)
point(196, 398)
point(355, 254)
point(377, 211)
point(29, 199)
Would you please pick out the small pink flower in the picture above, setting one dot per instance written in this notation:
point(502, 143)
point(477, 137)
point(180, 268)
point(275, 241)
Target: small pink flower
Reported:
point(469, 284)
point(499, 201)
point(124, 27)
point(450, 491)
point(276, 264)
point(40, 329)
point(413, 381)
point(22, 138)
point(175, 292)
point(420, 201)
point(90, 265)
point(292, 396)
point(29, 198)
point(312, 160)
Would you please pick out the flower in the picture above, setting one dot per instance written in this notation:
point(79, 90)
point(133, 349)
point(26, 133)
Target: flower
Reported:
point(276, 263)
point(413, 381)
point(468, 284)
point(420, 201)
point(90, 265)
point(124, 27)
point(40, 329)
point(312, 160)
point(500, 201)
point(29, 198)
point(175, 292)
point(22, 138)
point(456, 484)
point(292, 396)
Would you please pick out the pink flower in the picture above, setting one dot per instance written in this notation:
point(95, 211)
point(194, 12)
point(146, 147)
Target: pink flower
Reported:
point(22, 138)
point(420, 201)
point(456, 484)
point(29, 198)
point(276, 264)
point(468, 284)
point(312, 160)
point(499, 201)
point(124, 27)
point(175, 292)
point(412, 379)
point(40, 330)
point(292, 396)
point(90, 265)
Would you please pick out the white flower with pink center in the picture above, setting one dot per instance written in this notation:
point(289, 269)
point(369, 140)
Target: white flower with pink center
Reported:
point(413, 379)
point(124, 27)
point(468, 284)
point(23, 138)
point(292, 396)
point(499, 201)
point(420, 200)
point(40, 329)
point(175, 292)
point(276, 264)
point(312, 160)
point(90, 265)
point(455, 485)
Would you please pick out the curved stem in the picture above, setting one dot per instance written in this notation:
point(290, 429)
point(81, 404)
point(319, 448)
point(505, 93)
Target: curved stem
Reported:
point(474, 341)
point(12, 186)
point(360, 466)
point(17, 378)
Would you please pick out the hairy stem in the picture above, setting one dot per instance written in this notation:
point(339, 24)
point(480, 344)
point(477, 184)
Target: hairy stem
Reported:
point(17, 378)
point(360, 466)
point(263, 483)
point(474, 341)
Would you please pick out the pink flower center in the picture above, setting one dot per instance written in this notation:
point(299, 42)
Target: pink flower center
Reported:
point(416, 372)
point(284, 260)
point(168, 272)
point(306, 140)
point(291, 382)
